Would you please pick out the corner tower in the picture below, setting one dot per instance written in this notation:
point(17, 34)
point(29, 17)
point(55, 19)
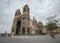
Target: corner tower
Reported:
point(18, 12)
point(26, 9)
point(16, 23)
point(26, 20)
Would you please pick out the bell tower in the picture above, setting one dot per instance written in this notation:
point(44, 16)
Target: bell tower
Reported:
point(26, 9)
point(16, 23)
point(18, 12)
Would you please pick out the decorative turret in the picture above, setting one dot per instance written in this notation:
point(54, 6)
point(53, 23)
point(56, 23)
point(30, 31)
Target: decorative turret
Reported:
point(18, 12)
point(26, 8)
point(34, 21)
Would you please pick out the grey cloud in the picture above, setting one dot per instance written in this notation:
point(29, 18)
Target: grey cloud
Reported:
point(40, 9)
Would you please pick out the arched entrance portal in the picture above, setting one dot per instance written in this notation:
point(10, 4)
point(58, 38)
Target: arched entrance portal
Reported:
point(18, 27)
point(23, 30)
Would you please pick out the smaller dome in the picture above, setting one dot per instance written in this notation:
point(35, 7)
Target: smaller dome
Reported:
point(40, 22)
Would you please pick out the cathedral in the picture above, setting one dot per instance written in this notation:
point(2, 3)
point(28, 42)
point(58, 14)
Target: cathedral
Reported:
point(23, 25)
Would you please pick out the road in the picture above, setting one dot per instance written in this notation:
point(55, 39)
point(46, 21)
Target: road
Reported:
point(29, 39)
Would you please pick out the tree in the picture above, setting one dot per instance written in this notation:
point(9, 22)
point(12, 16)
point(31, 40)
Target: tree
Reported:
point(52, 25)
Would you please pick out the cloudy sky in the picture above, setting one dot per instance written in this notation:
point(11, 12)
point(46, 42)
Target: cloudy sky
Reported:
point(40, 9)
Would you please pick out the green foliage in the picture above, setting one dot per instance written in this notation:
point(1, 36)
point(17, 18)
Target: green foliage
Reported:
point(52, 23)
point(51, 26)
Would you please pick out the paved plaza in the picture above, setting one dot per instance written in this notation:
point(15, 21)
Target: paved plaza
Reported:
point(29, 39)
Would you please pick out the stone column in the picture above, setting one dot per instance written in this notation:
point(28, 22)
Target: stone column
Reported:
point(12, 34)
point(20, 31)
point(26, 31)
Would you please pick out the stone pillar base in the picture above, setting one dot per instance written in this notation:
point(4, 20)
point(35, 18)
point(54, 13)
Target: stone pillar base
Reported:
point(26, 33)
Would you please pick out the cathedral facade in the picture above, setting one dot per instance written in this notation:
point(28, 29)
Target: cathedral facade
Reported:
point(23, 25)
